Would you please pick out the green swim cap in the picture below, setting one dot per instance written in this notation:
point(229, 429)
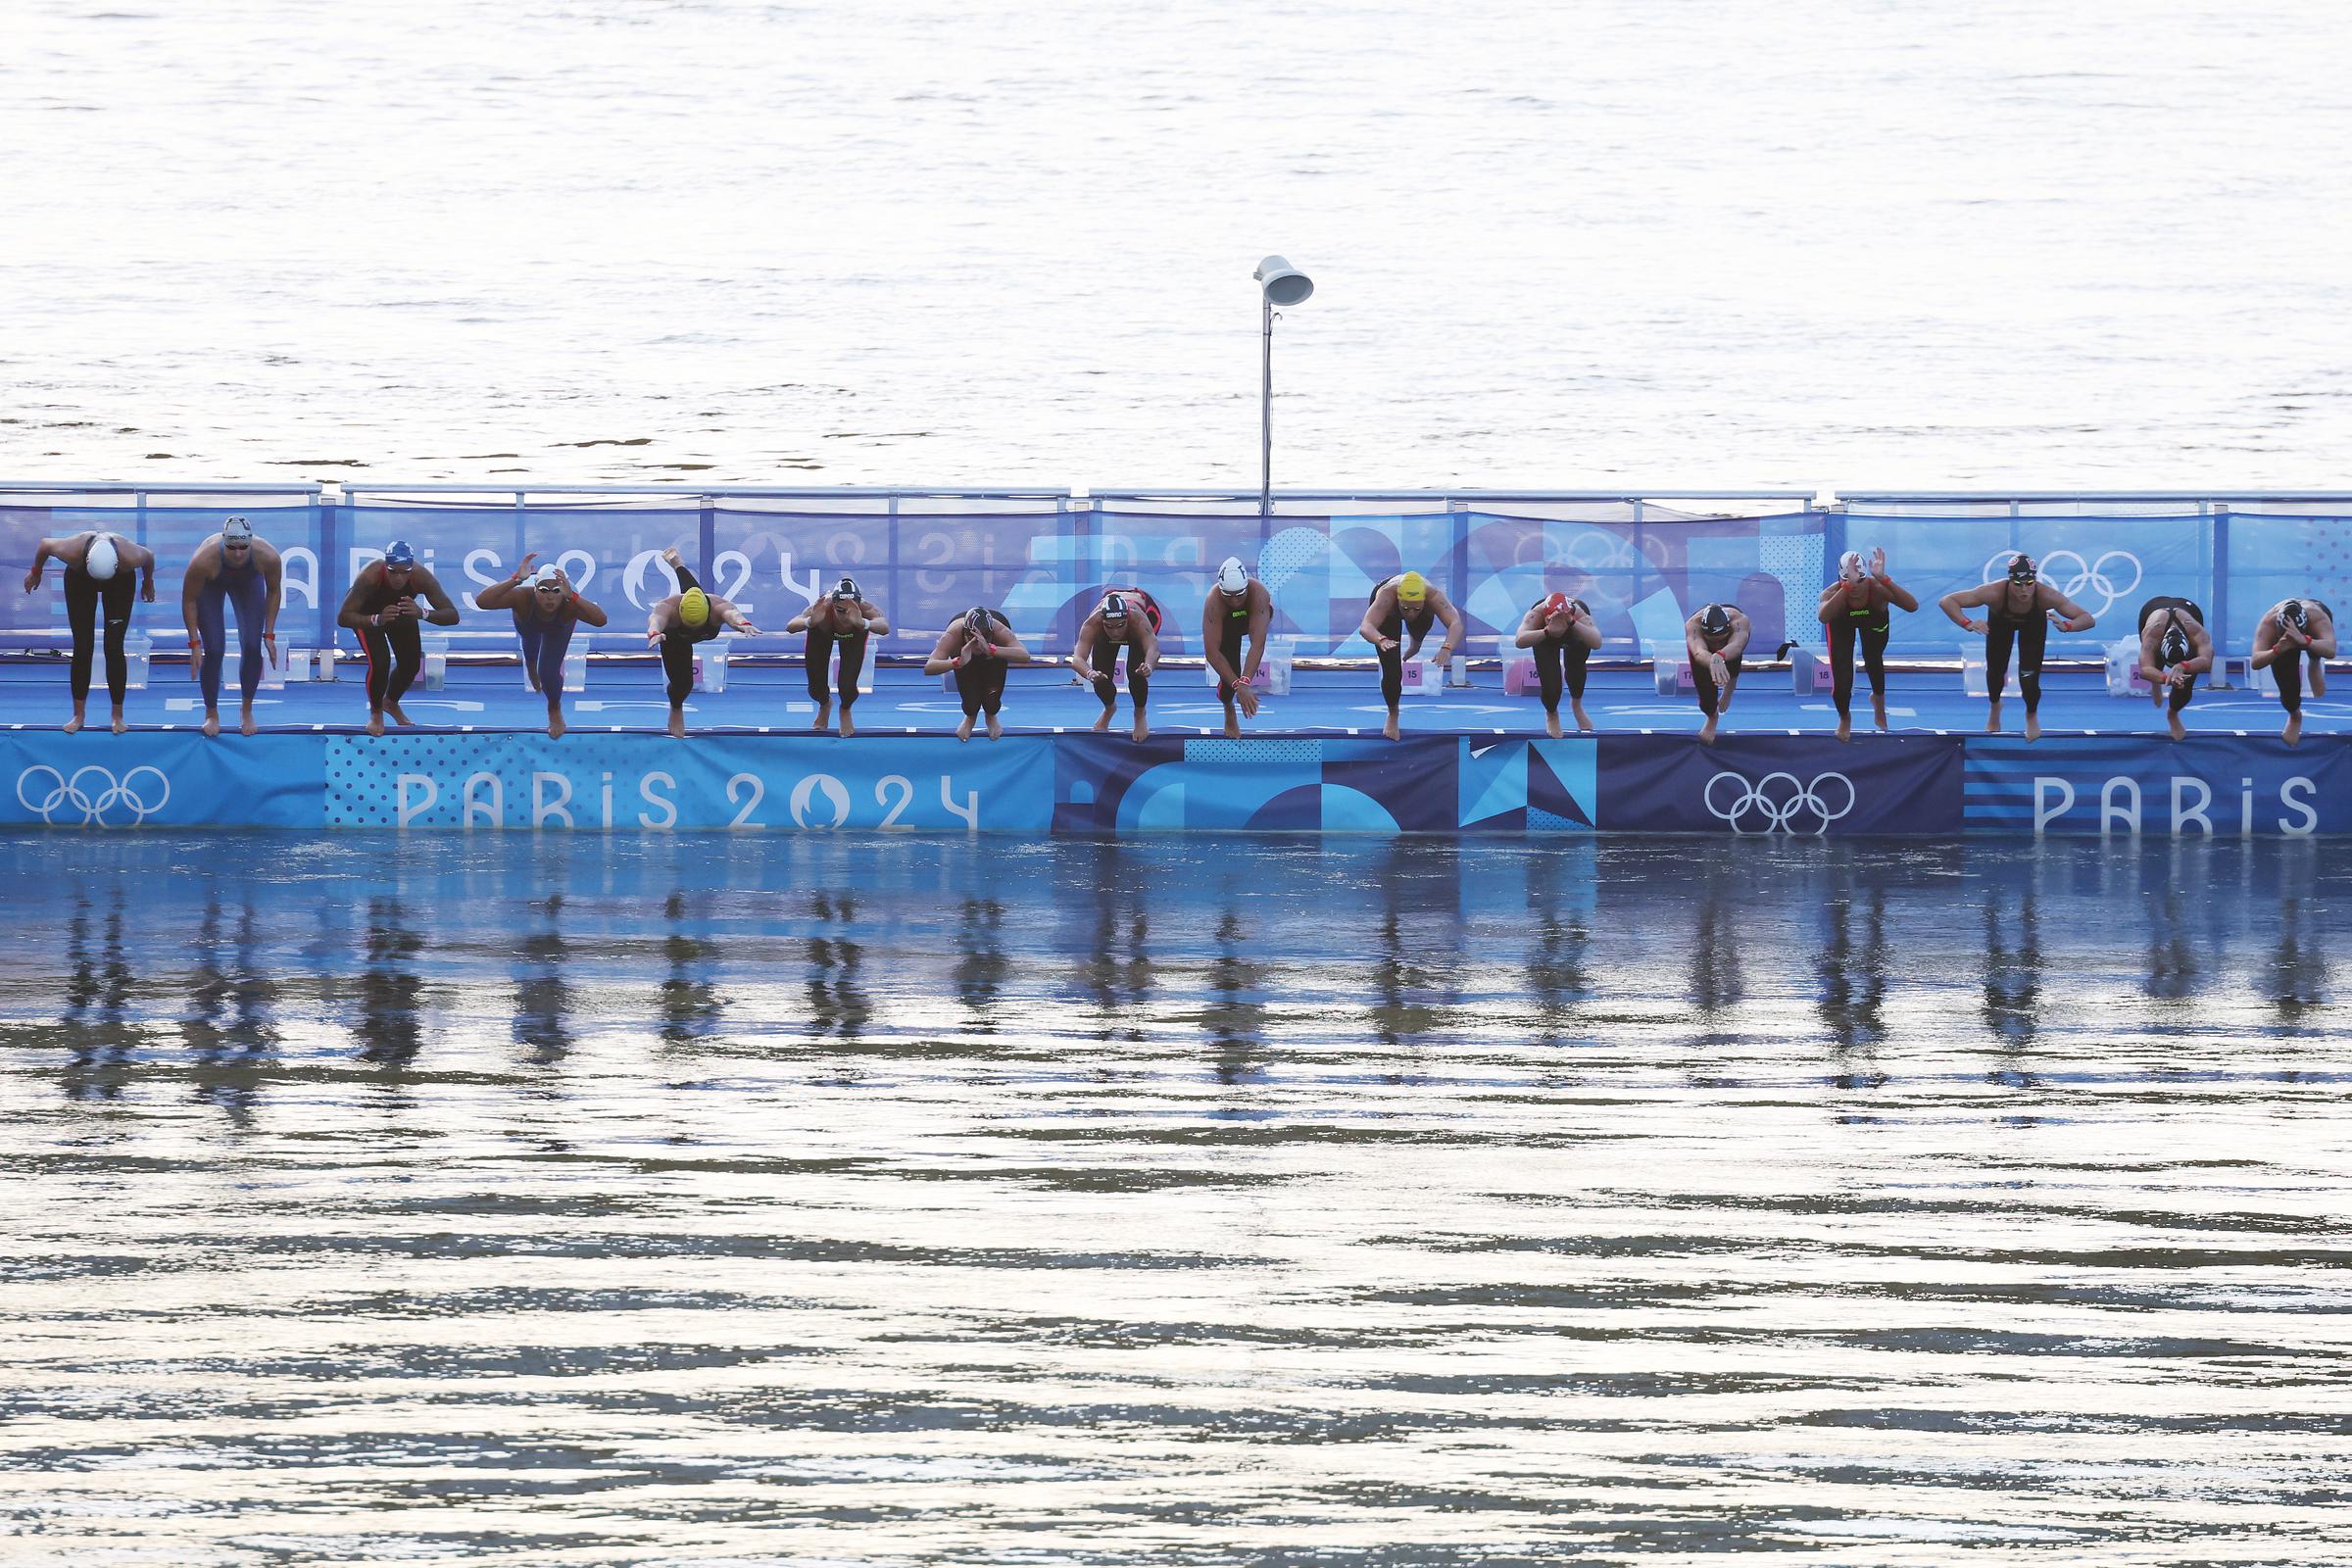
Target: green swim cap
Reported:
point(694, 607)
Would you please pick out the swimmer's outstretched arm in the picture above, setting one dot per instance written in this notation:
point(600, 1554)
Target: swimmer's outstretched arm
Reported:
point(1953, 602)
point(1009, 647)
point(41, 552)
point(2323, 643)
point(1458, 630)
point(1082, 652)
point(1830, 596)
point(444, 613)
point(1742, 629)
point(1374, 615)
point(1896, 593)
point(2074, 616)
point(590, 612)
point(726, 611)
point(878, 624)
point(1585, 628)
point(1261, 621)
point(1532, 629)
point(658, 620)
point(143, 559)
point(351, 614)
point(1149, 643)
point(940, 659)
point(508, 593)
point(1213, 650)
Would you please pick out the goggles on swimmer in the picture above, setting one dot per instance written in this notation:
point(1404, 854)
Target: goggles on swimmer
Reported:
point(1114, 608)
point(1715, 622)
point(2022, 570)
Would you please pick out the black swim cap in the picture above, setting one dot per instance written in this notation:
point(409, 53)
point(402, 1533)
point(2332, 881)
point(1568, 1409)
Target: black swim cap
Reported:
point(977, 622)
point(1715, 622)
point(847, 589)
point(1114, 608)
point(2171, 647)
point(2293, 613)
point(2021, 568)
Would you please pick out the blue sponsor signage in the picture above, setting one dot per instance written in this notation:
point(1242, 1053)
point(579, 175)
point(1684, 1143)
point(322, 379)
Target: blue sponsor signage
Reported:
point(1794, 784)
point(2213, 785)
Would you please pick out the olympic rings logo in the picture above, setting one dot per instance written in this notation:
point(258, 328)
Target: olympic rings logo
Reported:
point(95, 802)
point(2084, 579)
point(1774, 802)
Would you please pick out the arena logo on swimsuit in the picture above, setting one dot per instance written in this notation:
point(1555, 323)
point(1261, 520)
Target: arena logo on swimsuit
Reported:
point(2189, 804)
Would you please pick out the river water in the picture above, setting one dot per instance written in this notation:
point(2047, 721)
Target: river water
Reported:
point(1614, 243)
point(893, 1202)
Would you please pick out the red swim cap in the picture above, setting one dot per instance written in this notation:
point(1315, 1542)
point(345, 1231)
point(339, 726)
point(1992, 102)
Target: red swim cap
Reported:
point(1556, 604)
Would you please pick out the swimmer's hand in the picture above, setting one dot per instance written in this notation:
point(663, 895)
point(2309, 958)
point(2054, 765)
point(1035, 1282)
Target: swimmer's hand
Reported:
point(147, 589)
point(1086, 672)
point(32, 581)
point(523, 566)
point(1974, 628)
point(195, 659)
point(1723, 675)
point(1878, 562)
point(653, 636)
point(1386, 644)
point(270, 642)
point(1248, 698)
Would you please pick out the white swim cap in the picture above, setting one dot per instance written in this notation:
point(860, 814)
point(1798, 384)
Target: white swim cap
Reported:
point(102, 559)
point(1232, 576)
point(550, 572)
point(1849, 565)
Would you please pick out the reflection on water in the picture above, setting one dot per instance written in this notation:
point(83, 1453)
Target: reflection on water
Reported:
point(924, 1201)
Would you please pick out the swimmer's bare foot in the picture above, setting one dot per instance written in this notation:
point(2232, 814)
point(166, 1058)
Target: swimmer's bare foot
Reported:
point(1878, 713)
point(1233, 725)
point(2294, 729)
point(73, 724)
point(556, 726)
point(245, 723)
point(399, 717)
point(1707, 731)
point(1992, 717)
point(376, 722)
point(963, 731)
point(1390, 729)
point(211, 725)
point(824, 715)
point(1584, 720)
point(1103, 723)
point(2033, 727)
point(849, 726)
point(118, 723)
point(2179, 729)
point(677, 717)
point(1142, 730)
point(1845, 727)
point(671, 555)
point(995, 728)
point(1551, 724)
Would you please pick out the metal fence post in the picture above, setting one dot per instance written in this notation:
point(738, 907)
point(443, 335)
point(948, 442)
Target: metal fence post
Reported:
point(705, 543)
point(2220, 574)
point(1458, 567)
point(329, 551)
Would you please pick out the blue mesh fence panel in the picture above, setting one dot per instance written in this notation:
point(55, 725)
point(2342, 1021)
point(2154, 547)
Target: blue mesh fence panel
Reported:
point(2275, 556)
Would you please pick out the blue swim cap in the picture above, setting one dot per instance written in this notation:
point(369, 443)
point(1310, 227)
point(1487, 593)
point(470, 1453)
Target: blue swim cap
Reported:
point(400, 553)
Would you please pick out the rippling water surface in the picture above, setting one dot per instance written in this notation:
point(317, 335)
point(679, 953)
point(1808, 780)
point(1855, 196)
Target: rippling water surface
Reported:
point(1733, 242)
point(921, 1202)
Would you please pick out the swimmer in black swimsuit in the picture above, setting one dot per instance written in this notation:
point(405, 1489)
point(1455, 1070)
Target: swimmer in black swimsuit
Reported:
point(1238, 605)
point(381, 607)
point(548, 610)
point(1715, 637)
point(2021, 611)
point(2174, 648)
point(97, 568)
point(2290, 632)
point(233, 565)
point(1856, 608)
point(979, 647)
point(1562, 632)
point(678, 623)
point(844, 618)
point(1127, 620)
point(1407, 603)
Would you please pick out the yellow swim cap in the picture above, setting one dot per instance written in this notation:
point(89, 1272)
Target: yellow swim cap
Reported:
point(1412, 587)
point(694, 607)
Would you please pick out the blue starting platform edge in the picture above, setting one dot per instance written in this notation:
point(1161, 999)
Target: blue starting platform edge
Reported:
point(1470, 761)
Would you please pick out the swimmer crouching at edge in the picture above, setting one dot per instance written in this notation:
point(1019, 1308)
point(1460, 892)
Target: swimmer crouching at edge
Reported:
point(97, 568)
point(675, 624)
point(381, 607)
point(2021, 610)
point(979, 647)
